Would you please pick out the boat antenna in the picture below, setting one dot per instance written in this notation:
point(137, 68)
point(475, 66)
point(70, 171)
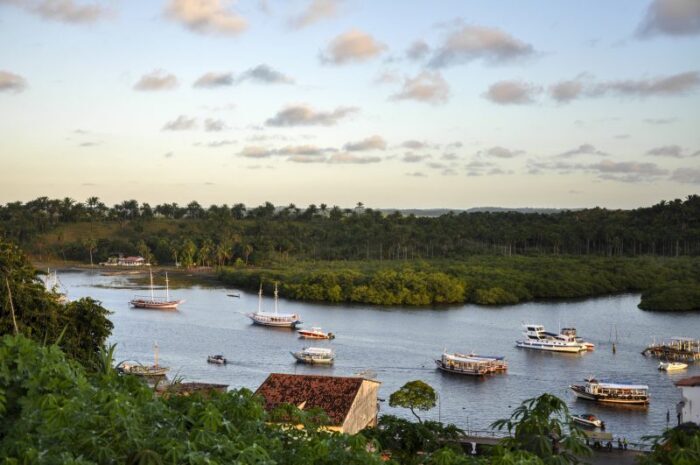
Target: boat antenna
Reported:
point(276, 296)
point(150, 272)
point(260, 298)
point(167, 288)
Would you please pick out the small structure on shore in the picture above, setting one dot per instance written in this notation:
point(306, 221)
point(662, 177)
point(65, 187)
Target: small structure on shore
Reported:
point(349, 402)
point(688, 409)
point(677, 349)
point(121, 260)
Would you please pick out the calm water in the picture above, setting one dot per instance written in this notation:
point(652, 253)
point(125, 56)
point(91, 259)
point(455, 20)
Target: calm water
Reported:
point(400, 344)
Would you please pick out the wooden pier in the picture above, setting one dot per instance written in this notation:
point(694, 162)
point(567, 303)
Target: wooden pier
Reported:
point(680, 349)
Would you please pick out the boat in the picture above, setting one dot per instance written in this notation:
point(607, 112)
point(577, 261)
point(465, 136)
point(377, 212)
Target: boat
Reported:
point(672, 366)
point(275, 319)
point(588, 419)
point(538, 339)
point(154, 302)
point(314, 333)
point(496, 363)
point(572, 332)
point(55, 287)
point(612, 392)
point(677, 349)
point(470, 365)
point(138, 369)
point(314, 356)
point(235, 294)
point(217, 359)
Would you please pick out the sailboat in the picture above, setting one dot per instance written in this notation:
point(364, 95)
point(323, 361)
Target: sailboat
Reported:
point(54, 286)
point(154, 370)
point(276, 319)
point(153, 302)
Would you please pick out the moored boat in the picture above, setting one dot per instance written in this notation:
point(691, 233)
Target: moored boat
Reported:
point(572, 333)
point(672, 366)
point(612, 392)
point(314, 356)
point(314, 333)
point(538, 339)
point(274, 319)
point(217, 359)
point(154, 302)
point(139, 369)
point(588, 419)
point(470, 365)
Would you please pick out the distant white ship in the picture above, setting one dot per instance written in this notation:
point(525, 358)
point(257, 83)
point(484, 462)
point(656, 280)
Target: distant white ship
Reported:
point(276, 319)
point(538, 339)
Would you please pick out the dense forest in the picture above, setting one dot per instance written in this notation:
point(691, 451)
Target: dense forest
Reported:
point(220, 234)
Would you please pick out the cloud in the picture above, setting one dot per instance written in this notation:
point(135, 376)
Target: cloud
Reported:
point(676, 84)
point(256, 151)
point(352, 46)
point(627, 171)
point(11, 82)
point(660, 120)
point(375, 142)
point(66, 11)
point(418, 50)
point(387, 77)
point(88, 144)
point(467, 43)
point(566, 91)
point(317, 10)
point(156, 80)
point(351, 158)
point(306, 159)
point(214, 125)
point(686, 175)
point(583, 149)
point(206, 16)
point(673, 151)
point(220, 143)
point(414, 144)
point(671, 17)
point(213, 80)
point(181, 123)
point(512, 93)
point(304, 115)
point(264, 74)
point(168, 155)
point(502, 152)
point(417, 174)
point(410, 157)
point(303, 150)
point(427, 86)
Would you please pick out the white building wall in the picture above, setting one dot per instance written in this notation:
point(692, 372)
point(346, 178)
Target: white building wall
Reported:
point(691, 407)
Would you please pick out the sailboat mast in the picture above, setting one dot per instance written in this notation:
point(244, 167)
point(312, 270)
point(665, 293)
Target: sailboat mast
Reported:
point(260, 298)
point(155, 347)
point(276, 295)
point(150, 272)
point(167, 288)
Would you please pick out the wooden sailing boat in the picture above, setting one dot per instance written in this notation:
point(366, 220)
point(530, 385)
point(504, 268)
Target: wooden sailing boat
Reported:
point(154, 370)
point(156, 303)
point(276, 319)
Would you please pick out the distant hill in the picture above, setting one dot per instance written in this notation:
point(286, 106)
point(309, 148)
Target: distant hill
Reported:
point(435, 212)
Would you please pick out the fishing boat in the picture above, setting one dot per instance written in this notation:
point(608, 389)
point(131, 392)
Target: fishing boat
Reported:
point(314, 333)
point(496, 363)
point(672, 366)
point(467, 365)
point(138, 369)
point(572, 333)
point(538, 339)
point(588, 419)
point(217, 359)
point(612, 392)
point(154, 302)
point(275, 319)
point(314, 356)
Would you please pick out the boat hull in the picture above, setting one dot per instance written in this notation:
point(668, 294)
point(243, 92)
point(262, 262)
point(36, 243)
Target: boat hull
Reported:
point(675, 366)
point(543, 346)
point(443, 367)
point(589, 423)
point(580, 392)
point(154, 305)
point(312, 335)
point(301, 358)
point(274, 324)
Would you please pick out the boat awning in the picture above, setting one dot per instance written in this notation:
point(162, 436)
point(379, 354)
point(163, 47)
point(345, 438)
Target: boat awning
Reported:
point(457, 358)
point(623, 386)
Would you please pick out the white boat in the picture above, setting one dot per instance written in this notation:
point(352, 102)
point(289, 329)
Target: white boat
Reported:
point(314, 356)
point(54, 286)
point(154, 302)
point(612, 392)
point(275, 319)
point(138, 369)
point(472, 365)
point(538, 339)
point(588, 419)
point(672, 366)
point(314, 333)
point(217, 359)
point(572, 332)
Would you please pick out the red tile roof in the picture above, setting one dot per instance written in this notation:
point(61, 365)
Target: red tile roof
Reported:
point(689, 382)
point(334, 394)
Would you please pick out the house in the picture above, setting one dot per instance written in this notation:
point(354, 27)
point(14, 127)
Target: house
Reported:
point(125, 261)
point(689, 408)
point(349, 402)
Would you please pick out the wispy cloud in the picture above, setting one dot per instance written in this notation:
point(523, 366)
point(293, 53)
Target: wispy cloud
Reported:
point(304, 115)
point(417, 174)
point(512, 92)
point(410, 157)
point(11, 82)
point(212, 80)
point(351, 158)
point(672, 151)
point(214, 125)
point(256, 151)
point(428, 87)
point(181, 123)
point(305, 150)
point(466, 43)
point(265, 74)
point(418, 50)
point(671, 17)
point(352, 46)
point(206, 16)
point(66, 11)
point(156, 80)
point(687, 175)
point(374, 142)
point(502, 152)
point(315, 11)
point(566, 91)
point(583, 149)
point(676, 84)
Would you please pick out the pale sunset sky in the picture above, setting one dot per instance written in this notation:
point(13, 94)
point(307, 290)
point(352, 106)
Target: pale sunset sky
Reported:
point(409, 104)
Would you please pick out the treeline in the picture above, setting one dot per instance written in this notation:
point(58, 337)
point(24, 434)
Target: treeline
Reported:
point(481, 280)
point(223, 235)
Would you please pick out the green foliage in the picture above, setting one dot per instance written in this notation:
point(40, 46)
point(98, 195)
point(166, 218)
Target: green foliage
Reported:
point(414, 395)
point(81, 326)
point(673, 296)
point(53, 412)
point(543, 427)
point(676, 446)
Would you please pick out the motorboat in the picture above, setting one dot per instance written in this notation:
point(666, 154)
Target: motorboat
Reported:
point(572, 332)
point(612, 392)
point(672, 366)
point(588, 419)
point(154, 302)
point(217, 359)
point(275, 319)
point(314, 333)
point(314, 356)
point(538, 339)
point(463, 364)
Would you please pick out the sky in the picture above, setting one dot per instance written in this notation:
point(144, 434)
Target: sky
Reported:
point(411, 104)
